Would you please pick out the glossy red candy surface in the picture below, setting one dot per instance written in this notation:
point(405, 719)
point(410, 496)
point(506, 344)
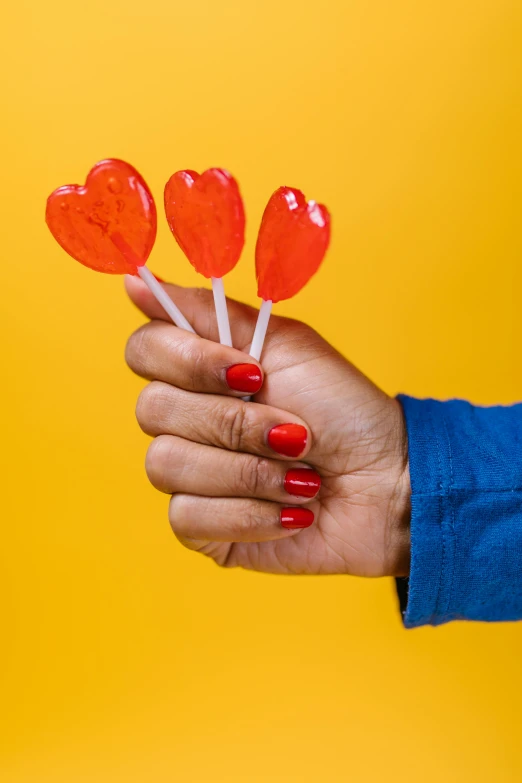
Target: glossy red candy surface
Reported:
point(108, 224)
point(292, 242)
point(206, 215)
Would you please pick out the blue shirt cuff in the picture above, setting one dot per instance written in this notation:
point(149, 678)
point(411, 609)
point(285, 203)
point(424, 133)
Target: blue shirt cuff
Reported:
point(466, 513)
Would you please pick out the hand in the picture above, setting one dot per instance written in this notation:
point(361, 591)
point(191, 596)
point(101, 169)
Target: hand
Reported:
point(225, 465)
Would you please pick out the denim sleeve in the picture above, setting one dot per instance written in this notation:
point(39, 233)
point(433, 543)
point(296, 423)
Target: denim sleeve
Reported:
point(466, 517)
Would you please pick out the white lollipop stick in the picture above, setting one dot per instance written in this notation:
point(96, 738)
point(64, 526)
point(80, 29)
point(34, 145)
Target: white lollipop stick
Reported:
point(220, 303)
point(258, 339)
point(148, 278)
point(164, 299)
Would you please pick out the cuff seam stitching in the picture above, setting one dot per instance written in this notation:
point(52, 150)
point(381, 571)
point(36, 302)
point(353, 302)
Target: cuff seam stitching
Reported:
point(452, 541)
point(440, 496)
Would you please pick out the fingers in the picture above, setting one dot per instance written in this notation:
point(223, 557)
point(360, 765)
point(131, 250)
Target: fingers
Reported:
point(285, 337)
point(160, 351)
point(225, 422)
point(197, 305)
point(234, 519)
point(175, 465)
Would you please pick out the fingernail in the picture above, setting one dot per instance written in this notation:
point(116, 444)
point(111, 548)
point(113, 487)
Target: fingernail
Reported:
point(244, 378)
point(296, 518)
point(288, 439)
point(159, 279)
point(302, 482)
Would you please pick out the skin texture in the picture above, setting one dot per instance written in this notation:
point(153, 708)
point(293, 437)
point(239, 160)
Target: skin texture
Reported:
point(211, 453)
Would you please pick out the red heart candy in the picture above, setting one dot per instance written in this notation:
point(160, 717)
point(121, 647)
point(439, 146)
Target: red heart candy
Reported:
point(108, 224)
point(206, 215)
point(292, 241)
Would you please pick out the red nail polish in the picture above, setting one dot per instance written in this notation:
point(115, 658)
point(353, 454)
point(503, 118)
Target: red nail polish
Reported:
point(302, 482)
point(244, 378)
point(296, 518)
point(159, 279)
point(288, 439)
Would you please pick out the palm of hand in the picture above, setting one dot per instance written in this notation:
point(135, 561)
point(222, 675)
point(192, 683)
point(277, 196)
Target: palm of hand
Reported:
point(359, 450)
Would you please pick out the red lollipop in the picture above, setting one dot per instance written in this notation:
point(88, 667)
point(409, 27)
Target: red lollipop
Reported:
point(109, 225)
point(206, 216)
point(292, 242)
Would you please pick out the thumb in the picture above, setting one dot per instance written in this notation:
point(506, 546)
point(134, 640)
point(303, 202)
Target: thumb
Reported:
point(197, 305)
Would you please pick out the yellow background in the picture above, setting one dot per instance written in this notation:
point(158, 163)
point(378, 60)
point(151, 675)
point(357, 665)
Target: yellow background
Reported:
point(124, 657)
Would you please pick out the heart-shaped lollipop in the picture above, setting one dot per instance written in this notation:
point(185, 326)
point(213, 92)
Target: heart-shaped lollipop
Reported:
point(291, 244)
point(206, 216)
point(114, 201)
point(292, 241)
point(109, 225)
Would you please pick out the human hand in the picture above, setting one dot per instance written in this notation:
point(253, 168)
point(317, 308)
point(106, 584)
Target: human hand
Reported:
point(229, 471)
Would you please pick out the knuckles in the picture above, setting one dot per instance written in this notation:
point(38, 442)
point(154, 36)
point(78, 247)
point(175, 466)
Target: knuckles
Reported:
point(195, 517)
point(254, 475)
point(138, 348)
point(232, 426)
point(152, 407)
point(252, 522)
point(158, 462)
point(154, 349)
point(181, 521)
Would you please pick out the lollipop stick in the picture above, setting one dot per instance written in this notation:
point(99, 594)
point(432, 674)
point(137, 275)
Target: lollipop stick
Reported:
point(155, 288)
point(260, 331)
point(220, 303)
point(258, 339)
point(164, 299)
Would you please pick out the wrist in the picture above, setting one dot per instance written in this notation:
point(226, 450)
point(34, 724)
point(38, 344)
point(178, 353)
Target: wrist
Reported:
point(400, 503)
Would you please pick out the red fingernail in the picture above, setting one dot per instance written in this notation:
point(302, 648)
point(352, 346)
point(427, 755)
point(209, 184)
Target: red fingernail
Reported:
point(288, 439)
point(296, 518)
point(244, 378)
point(302, 482)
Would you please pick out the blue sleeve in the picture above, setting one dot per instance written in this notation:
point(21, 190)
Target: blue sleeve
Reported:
point(466, 513)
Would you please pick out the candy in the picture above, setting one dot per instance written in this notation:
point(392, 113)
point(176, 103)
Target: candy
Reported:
point(206, 215)
point(292, 242)
point(108, 224)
